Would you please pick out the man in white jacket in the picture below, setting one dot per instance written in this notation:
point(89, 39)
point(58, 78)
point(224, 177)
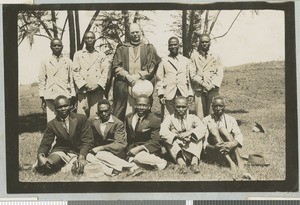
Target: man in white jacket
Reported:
point(206, 76)
point(173, 78)
point(184, 134)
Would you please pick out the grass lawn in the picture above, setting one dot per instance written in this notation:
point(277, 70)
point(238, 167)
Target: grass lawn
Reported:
point(254, 92)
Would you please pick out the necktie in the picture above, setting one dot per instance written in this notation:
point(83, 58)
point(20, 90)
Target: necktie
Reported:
point(183, 129)
point(138, 123)
point(65, 125)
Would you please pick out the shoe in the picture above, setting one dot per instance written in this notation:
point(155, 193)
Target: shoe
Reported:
point(195, 168)
point(136, 172)
point(182, 170)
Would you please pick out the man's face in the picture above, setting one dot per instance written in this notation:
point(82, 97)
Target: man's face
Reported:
point(62, 108)
point(104, 112)
point(204, 43)
point(56, 47)
point(142, 106)
point(181, 106)
point(218, 107)
point(89, 39)
point(173, 47)
point(135, 33)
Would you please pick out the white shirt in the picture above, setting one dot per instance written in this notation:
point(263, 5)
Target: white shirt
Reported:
point(104, 124)
point(135, 119)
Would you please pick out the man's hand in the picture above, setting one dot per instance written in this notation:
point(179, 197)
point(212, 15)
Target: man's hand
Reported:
point(43, 105)
point(190, 99)
point(228, 146)
point(208, 86)
point(130, 80)
point(78, 165)
point(134, 151)
point(42, 160)
point(91, 87)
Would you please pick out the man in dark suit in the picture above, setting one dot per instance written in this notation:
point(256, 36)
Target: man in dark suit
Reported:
point(74, 138)
point(110, 138)
point(143, 138)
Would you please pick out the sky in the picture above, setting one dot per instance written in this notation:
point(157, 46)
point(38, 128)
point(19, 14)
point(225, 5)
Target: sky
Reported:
point(252, 38)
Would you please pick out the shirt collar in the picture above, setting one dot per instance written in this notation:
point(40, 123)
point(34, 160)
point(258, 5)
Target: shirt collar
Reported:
point(86, 51)
point(110, 120)
point(64, 120)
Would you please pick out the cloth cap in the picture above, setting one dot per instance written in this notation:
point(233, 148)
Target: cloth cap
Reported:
point(144, 87)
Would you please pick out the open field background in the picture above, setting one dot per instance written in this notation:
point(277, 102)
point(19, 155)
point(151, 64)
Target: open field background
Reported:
point(255, 93)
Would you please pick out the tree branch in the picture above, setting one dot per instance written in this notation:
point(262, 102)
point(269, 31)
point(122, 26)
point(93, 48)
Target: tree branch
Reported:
point(229, 26)
point(43, 24)
point(213, 23)
point(63, 30)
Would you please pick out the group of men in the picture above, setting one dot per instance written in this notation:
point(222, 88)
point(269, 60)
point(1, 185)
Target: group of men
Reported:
point(126, 135)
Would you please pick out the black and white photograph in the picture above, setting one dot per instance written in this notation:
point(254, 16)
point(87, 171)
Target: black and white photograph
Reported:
point(153, 97)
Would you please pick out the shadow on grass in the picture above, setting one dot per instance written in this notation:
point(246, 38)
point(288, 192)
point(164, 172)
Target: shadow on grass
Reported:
point(35, 122)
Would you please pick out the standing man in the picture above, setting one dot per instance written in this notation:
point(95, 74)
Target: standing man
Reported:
point(184, 135)
point(74, 138)
point(131, 62)
point(90, 75)
point(143, 138)
point(224, 137)
point(206, 76)
point(55, 78)
point(173, 78)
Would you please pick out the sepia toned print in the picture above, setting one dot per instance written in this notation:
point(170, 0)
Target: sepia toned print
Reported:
point(228, 66)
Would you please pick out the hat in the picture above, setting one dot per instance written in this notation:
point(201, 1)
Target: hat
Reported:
point(93, 172)
point(258, 128)
point(141, 87)
point(257, 160)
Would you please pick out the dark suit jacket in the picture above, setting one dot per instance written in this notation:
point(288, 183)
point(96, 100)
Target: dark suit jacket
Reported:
point(114, 137)
point(147, 133)
point(79, 140)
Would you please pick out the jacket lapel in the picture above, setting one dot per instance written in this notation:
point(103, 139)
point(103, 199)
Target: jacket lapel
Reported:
point(72, 125)
point(130, 123)
point(97, 126)
point(60, 128)
point(107, 128)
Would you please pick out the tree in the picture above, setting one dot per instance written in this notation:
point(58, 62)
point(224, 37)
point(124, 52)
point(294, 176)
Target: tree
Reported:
point(112, 27)
point(196, 22)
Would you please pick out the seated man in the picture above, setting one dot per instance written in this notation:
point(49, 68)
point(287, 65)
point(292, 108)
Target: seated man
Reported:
point(143, 138)
point(184, 134)
point(74, 138)
point(224, 135)
point(110, 139)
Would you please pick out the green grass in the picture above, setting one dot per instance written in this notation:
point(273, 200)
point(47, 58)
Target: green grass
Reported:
point(254, 93)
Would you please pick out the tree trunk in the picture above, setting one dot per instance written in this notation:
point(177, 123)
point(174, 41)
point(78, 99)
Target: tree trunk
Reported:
point(126, 25)
point(185, 50)
point(53, 19)
point(190, 33)
point(77, 29)
point(206, 22)
point(71, 33)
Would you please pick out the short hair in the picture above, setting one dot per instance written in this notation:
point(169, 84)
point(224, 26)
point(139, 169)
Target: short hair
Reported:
point(103, 102)
point(203, 35)
point(180, 98)
point(173, 37)
point(134, 25)
point(89, 32)
point(218, 97)
point(55, 39)
point(59, 98)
